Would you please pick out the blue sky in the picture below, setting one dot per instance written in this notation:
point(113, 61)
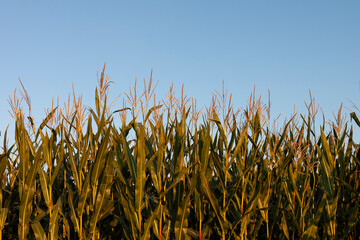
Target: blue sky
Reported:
point(287, 47)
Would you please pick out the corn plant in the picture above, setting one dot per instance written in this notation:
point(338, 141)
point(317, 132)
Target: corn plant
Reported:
point(152, 170)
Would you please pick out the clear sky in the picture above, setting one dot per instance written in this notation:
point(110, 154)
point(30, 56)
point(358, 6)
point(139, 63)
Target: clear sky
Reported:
point(287, 47)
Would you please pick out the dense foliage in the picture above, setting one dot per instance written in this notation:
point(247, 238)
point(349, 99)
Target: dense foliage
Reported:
point(163, 175)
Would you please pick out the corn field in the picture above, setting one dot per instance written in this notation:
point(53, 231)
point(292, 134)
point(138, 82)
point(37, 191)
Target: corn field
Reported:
point(167, 170)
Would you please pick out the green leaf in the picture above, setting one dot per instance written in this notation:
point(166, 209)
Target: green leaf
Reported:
point(205, 189)
point(102, 197)
point(150, 111)
point(99, 164)
point(149, 222)
point(45, 187)
point(130, 159)
point(54, 223)
point(73, 215)
point(184, 210)
point(355, 118)
point(45, 121)
point(27, 196)
point(3, 216)
point(38, 231)
point(83, 196)
point(140, 169)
